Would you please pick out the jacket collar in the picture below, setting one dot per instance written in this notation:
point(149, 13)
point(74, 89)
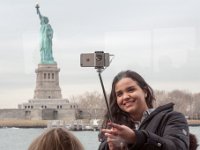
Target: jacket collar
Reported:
point(167, 108)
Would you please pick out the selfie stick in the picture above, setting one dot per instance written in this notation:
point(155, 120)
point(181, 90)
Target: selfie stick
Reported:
point(99, 70)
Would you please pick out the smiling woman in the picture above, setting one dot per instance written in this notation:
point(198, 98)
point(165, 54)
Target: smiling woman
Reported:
point(136, 124)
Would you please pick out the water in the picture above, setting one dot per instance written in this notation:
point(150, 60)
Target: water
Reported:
point(20, 139)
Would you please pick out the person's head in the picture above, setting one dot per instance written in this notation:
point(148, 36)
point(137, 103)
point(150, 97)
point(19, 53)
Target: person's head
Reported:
point(56, 139)
point(130, 94)
point(193, 142)
point(45, 20)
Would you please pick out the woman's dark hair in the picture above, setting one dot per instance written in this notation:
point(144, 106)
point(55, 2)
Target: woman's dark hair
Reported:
point(193, 142)
point(118, 115)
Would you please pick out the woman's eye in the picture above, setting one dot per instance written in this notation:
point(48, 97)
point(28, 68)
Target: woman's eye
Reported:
point(118, 94)
point(130, 89)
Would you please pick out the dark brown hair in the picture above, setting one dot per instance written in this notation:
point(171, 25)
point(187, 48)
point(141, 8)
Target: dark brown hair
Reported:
point(193, 142)
point(56, 139)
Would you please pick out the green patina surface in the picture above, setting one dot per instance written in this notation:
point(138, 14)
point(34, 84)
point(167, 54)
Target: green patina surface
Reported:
point(46, 36)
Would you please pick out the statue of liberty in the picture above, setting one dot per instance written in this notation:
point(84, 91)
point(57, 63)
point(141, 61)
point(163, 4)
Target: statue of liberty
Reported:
point(46, 35)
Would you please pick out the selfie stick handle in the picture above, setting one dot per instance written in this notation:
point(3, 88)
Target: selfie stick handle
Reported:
point(105, 96)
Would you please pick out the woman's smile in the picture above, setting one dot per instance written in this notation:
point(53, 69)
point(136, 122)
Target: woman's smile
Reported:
point(129, 103)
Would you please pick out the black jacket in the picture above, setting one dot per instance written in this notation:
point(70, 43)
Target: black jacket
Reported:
point(163, 129)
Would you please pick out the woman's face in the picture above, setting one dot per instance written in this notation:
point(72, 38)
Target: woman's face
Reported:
point(130, 97)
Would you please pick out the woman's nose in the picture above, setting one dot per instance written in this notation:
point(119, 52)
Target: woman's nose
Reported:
point(126, 96)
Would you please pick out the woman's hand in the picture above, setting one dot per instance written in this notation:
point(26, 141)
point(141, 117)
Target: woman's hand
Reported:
point(113, 140)
point(119, 135)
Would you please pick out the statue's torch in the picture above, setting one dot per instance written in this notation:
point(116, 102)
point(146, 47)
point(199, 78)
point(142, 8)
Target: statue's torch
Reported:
point(37, 7)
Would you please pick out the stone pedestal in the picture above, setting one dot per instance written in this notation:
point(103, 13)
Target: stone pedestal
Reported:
point(47, 94)
point(47, 102)
point(47, 82)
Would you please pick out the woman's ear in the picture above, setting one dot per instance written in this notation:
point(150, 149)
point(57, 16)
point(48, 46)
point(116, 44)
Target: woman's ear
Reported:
point(145, 92)
point(145, 95)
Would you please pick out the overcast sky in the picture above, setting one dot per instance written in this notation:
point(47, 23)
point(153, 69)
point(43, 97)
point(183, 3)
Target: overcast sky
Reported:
point(158, 39)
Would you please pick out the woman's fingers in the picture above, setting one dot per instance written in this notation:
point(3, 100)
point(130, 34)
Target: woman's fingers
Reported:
point(114, 125)
point(121, 131)
point(111, 146)
point(110, 131)
point(114, 142)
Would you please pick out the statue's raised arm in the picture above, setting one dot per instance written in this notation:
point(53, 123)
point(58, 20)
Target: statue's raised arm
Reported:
point(38, 11)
